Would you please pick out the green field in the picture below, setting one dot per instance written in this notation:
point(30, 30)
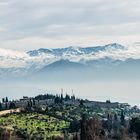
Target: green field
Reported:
point(33, 125)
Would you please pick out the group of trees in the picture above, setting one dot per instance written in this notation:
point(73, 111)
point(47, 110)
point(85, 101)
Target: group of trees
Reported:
point(115, 128)
point(5, 100)
point(45, 97)
point(91, 129)
point(7, 134)
point(31, 103)
point(10, 105)
point(114, 122)
point(52, 96)
point(58, 99)
point(135, 126)
point(83, 127)
point(6, 104)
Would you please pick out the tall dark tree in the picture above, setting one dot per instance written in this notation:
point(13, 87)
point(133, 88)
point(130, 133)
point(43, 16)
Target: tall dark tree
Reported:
point(74, 126)
point(83, 127)
point(75, 136)
point(3, 100)
point(115, 117)
point(57, 100)
point(12, 105)
point(30, 102)
point(81, 102)
point(73, 97)
point(122, 118)
point(0, 106)
point(135, 126)
point(116, 123)
point(67, 97)
point(33, 102)
point(109, 122)
point(6, 99)
point(90, 129)
point(62, 96)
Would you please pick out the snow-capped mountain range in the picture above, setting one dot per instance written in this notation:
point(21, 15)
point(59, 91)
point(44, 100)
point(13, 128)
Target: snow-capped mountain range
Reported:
point(23, 63)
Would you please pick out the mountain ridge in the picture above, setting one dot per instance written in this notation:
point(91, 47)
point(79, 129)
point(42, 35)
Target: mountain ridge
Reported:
point(110, 55)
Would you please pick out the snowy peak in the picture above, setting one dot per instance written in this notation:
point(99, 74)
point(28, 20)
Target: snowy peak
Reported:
point(75, 50)
point(31, 61)
point(115, 46)
point(44, 56)
point(39, 52)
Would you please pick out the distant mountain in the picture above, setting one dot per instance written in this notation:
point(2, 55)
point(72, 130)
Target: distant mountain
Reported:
point(61, 65)
point(111, 58)
point(75, 50)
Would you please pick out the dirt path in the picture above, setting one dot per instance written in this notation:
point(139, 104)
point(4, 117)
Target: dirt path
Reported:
point(4, 112)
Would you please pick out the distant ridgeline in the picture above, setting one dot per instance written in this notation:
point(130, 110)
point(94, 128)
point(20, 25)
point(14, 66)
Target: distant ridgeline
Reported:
point(108, 61)
point(41, 101)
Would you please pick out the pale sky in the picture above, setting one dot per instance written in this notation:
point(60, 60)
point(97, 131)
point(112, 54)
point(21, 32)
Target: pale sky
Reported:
point(32, 24)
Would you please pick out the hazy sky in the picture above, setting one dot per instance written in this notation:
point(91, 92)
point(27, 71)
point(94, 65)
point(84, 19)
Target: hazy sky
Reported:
point(30, 24)
point(116, 91)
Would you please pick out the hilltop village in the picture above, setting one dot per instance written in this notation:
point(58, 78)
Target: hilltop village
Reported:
point(59, 117)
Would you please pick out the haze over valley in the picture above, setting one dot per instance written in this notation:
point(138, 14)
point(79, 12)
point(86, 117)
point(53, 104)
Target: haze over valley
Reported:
point(97, 72)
